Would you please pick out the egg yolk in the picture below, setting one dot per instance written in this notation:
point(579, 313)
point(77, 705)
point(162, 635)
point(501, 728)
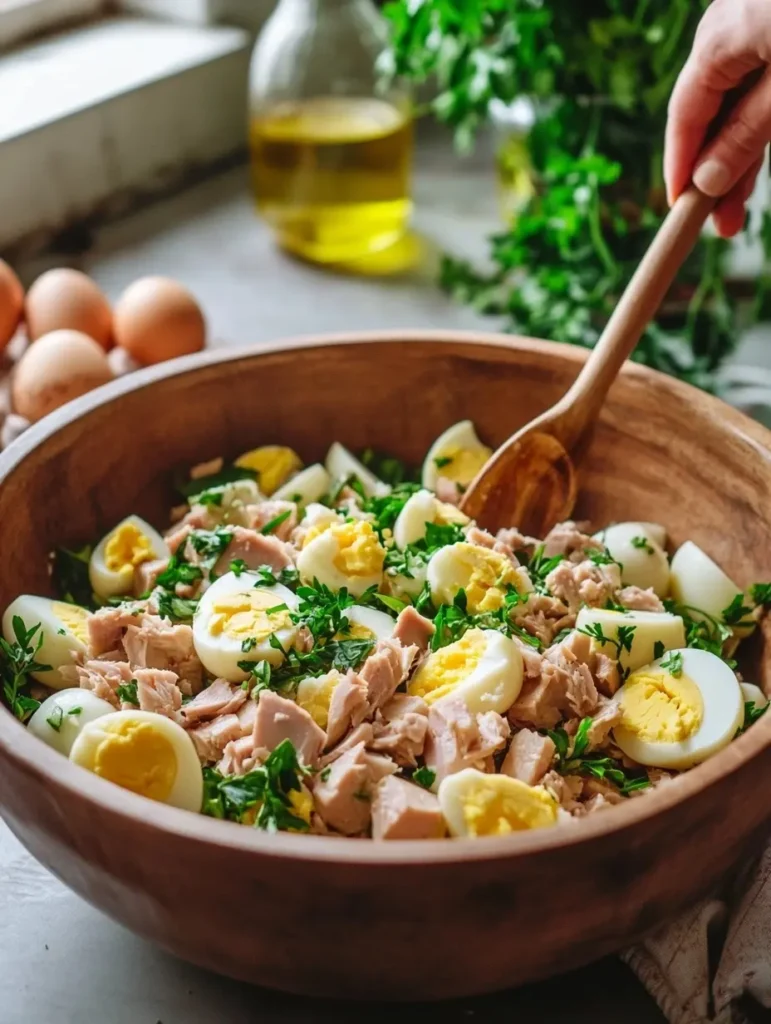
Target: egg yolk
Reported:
point(488, 575)
point(359, 552)
point(661, 708)
point(315, 696)
point(446, 514)
point(248, 614)
point(301, 803)
point(127, 548)
point(501, 805)
point(273, 465)
point(443, 670)
point(355, 631)
point(464, 463)
point(73, 619)
point(138, 757)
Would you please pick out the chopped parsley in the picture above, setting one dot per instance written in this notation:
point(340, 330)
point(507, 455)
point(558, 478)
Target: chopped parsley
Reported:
point(210, 544)
point(761, 594)
point(17, 661)
point(179, 571)
point(351, 481)
point(603, 557)
point(573, 758)
point(388, 469)
point(424, 777)
point(211, 497)
point(259, 678)
point(262, 795)
point(452, 621)
point(736, 612)
point(227, 475)
point(56, 718)
point(673, 663)
point(622, 642)
point(273, 524)
point(238, 565)
point(177, 609)
point(405, 562)
point(75, 711)
point(325, 773)
point(539, 567)
point(751, 714)
point(442, 461)
point(702, 631)
point(386, 508)
point(266, 577)
point(658, 649)
point(347, 654)
point(248, 644)
point(127, 692)
point(642, 544)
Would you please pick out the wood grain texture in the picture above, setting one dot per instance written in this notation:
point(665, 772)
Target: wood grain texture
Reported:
point(392, 921)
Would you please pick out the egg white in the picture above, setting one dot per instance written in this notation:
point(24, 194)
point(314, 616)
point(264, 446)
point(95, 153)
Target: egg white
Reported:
point(421, 509)
point(460, 437)
point(700, 584)
point(56, 725)
point(340, 463)
point(309, 485)
point(368, 623)
point(111, 583)
point(491, 680)
point(187, 788)
point(753, 695)
point(723, 715)
point(220, 652)
point(454, 567)
point(464, 788)
point(316, 561)
point(650, 628)
point(60, 642)
point(409, 587)
point(642, 567)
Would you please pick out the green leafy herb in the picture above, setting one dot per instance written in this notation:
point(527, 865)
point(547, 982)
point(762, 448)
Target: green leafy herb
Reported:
point(442, 461)
point(658, 649)
point(56, 718)
point(263, 793)
point(388, 469)
point(273, 524)
point(352, 482)
point(260, 676)
point(539, 567)
point(248, 644)
point(574, 758)
point(238, 565)
point(642, 544)
point(761, 594)
point(702, 631)
point(386, 508)
point(424, 777)
point(347, 654)
point(602, 557)
point(177, 609)
point(227, 475)
point(325, 773)
point(127, 692)
point(736, 612)
point(622, 641)
point(452, 621)
point(17, 661)
point(751, 714)
point(212, 496)
point(178, 571)
point(286, 577)
point(75, 711)
point(673, 663)
point(69, 575)
point(405, 562)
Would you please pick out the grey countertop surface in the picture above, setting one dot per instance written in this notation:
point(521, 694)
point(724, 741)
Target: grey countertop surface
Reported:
point(62, 961)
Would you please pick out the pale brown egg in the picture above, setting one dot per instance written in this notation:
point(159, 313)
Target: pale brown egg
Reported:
point(59, 367)
point(157, 319)
point(66, 299)
point(11, 303)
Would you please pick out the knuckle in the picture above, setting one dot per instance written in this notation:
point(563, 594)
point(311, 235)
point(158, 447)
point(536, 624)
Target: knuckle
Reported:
point(743, 136)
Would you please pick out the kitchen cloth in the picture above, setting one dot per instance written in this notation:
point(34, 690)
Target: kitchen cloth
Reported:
point(712, 965)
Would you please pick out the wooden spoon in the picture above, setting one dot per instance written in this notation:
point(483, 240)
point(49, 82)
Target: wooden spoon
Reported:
point(530, 482)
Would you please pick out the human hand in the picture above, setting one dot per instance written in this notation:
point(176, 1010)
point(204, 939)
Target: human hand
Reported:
point(733, 41)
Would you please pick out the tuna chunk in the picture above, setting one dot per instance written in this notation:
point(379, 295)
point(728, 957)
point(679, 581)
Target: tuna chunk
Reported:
point(213, 737)
point(584, 583)
point(578, 647)
point(516, 541)
point(176, 538)
point(159, 644)
point(106, 627)
point(569, 540)
point(260, 515)
point(529, 757)
point(385, 670)
point(402, 810)
point(146, 575)
point(531, 658)
point(361, 734)
point(158, 691)
point(540, 702)
point(606, 719)
point(221, 698)
point(255, 549)
point(400, 729)
point(239, 756)
point(568, 661)
point(347, 708)
point(280, 719)
point(447, 490)
point(413, 630)
point(343, 798)
point(543, 617)
point(565, 788)
point(103, 678)
point(247, 716)
point(640, 600)
point(457, 739)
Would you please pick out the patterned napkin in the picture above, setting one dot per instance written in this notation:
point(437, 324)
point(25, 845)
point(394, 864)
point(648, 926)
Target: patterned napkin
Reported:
point(713, 964)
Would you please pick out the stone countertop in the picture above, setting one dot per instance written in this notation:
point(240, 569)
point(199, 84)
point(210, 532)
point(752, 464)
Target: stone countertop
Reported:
point(62, 961)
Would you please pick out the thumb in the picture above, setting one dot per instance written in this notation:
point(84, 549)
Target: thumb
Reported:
point(740, 143)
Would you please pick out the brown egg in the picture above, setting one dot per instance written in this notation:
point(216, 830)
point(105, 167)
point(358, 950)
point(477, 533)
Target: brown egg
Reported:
point(157, 319)
point(66, 299)
point(11, 303)
point(57, 368)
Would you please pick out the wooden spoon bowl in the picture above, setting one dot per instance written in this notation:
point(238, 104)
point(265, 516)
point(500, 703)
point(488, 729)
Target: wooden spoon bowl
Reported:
point(330, 916)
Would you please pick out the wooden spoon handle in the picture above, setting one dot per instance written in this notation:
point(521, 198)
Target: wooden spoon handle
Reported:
point(635, 310)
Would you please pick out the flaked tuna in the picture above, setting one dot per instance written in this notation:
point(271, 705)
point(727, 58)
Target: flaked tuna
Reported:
point(280, 719)
point(402, 810)
point(529, 757)
point(221, 698)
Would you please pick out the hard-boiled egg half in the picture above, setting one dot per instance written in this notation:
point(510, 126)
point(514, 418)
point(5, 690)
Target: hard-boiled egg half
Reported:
point(476, 804)
point(457, 454)
point(484, 575)
point(640, 634)
point(309, 485)
point(419, 510)
point(61, 717)
point(700, 584)
point(483, 669)
point(144, 752)
point(753, 695)
point(341, 464)
point(230, 496)
point(342, 554)
point(117, 555)
point(272, 463)
point(64, 632)
point(314, 695)
point(234, 621)
point(366, 624)
point(644, 562)
point(679, 710)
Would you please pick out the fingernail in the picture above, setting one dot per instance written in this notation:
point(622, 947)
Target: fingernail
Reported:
point(712, 177)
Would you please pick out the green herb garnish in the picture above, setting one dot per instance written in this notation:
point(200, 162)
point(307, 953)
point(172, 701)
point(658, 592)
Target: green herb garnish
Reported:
point(623, 641)
point(442, 461)
point(658, 649)
point(178, 571)
point(424, 777)
point(273, 524)
point(573, 758)
point(17, 661)
point(56, 718)
point(642, 544)
point(673, 663)
point(238, 566)
point(388, 469)
point(227, 475)
point(127, 692)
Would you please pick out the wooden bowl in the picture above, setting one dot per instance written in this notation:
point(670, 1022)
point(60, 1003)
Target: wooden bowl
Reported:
point(396, 920)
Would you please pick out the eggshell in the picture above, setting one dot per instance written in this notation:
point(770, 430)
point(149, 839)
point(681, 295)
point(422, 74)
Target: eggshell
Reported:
point(59, 367)
point(66, 299)
point(157, 319)
point(11, 303)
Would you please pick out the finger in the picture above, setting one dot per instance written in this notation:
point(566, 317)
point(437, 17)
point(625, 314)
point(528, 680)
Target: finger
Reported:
point(731, 212)
point(739, 145)
point(695, 102)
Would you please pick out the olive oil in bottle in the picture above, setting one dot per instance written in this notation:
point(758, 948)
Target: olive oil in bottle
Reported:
point(332, 175)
